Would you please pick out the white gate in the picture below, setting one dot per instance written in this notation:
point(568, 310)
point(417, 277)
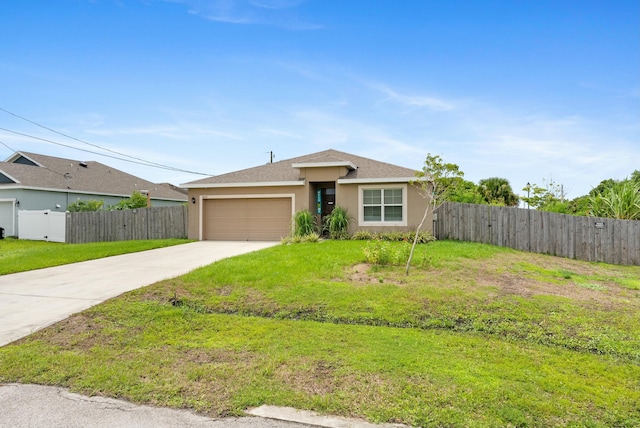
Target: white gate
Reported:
point(44, 225)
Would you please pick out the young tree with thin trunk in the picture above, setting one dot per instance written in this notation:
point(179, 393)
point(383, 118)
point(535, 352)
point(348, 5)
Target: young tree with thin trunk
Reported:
point(437, 182)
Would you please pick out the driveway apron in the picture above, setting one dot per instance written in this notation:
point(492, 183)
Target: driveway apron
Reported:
point(33, 300)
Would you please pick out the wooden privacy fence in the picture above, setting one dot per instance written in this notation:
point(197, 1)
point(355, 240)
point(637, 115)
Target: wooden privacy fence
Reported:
point(592, 239)
point(126, 225)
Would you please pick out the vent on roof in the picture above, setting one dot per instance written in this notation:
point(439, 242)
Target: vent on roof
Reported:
point(83, 164)
point(24, 161)
point(5, 179)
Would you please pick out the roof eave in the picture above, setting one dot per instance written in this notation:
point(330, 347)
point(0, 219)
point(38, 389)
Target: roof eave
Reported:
point(256, 184)
point(376, 180)
point(87, 192)
point(348, 164)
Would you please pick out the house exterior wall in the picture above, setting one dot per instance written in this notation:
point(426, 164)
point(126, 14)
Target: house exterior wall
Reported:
point(29, 200)
point(300, 200)
point(34, 199)
point(347, 196)
point(333, 173)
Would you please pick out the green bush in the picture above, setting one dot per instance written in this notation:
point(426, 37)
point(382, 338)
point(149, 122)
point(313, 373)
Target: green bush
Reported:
point(310, 237)
point(621, 201)
point(304, 223)
point(337, 223)
point(377, 252)
point(380, 252)
point(85, 206)
point(137, 200)
point(365, 235)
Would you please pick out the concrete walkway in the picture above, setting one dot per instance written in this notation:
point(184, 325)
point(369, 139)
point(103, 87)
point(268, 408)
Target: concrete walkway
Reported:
point(33, 300)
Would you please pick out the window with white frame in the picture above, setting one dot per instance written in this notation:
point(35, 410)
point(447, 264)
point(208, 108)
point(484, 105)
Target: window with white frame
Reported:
point(383, 205)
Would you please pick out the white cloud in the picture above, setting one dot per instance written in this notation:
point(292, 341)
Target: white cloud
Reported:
point(415, 100)
point(275, 4)
point(248, 12)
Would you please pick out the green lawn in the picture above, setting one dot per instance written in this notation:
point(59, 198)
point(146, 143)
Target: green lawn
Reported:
point(23, 255)
point(475, 336)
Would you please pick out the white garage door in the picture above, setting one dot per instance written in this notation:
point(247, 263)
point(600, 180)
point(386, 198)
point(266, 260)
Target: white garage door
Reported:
point(247, 219)
point(7, 219)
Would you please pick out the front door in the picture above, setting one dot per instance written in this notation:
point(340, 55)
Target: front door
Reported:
point(328, 204)
point(328, 201)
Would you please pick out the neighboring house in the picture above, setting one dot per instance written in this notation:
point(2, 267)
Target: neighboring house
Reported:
point(30, 181)
point(259, 203)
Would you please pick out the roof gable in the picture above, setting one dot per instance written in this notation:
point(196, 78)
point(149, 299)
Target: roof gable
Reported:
point(288, 171)
point(5, 179)
point(23, 160)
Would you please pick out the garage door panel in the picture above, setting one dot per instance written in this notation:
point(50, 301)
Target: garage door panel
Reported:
point(252, 219)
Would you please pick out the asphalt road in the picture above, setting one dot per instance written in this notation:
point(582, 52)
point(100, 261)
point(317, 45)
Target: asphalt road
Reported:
point(27, 406)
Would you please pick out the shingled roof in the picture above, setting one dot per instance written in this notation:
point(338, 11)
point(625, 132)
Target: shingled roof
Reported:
point(288, 171)
point(36, 171)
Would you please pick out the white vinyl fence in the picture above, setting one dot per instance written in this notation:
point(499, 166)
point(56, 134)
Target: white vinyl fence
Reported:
point(44, 225)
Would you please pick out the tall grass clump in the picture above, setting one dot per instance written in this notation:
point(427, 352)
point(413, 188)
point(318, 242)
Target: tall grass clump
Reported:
point(621, 201)
point(304, 229)
point(337, 223)
point(304, 223)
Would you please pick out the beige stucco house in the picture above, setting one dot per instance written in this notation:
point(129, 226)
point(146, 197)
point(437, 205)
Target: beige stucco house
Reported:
point(258, 204)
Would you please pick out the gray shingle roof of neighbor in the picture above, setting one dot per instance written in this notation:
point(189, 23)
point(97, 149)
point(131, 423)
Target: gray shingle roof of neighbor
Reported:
point(286, 171)
point(88, 177)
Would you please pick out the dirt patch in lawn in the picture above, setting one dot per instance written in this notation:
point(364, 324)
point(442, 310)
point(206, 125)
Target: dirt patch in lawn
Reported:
point(520, 274)
point(310, 377)
point(529, 275)
point(360, 274)
point(79, 331)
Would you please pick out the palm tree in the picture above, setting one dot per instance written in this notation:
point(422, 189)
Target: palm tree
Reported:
point(498, 191)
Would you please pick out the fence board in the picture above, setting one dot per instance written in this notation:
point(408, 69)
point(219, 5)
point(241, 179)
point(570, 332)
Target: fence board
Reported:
point(633, 255)
point(138, 224)
point(584, 238)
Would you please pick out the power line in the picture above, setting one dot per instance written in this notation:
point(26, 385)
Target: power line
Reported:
point(139, 160)
point(4, 144)
point(108, 156)
point(76, 139)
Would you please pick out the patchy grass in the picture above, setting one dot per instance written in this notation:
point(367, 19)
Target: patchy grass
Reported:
point(483, 336)
point(23, 255)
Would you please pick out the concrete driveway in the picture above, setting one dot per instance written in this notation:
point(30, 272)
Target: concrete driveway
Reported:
point(33, 300)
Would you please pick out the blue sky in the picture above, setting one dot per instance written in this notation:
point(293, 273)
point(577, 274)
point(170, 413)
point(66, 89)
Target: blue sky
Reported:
point(526, 90)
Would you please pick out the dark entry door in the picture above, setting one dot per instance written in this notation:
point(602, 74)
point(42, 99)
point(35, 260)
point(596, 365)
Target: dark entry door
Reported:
point(328, 201)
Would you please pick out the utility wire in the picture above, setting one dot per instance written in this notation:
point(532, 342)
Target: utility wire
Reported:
point(102, 154)
point(77, 139)
point(4, 144)
point(139, 160)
